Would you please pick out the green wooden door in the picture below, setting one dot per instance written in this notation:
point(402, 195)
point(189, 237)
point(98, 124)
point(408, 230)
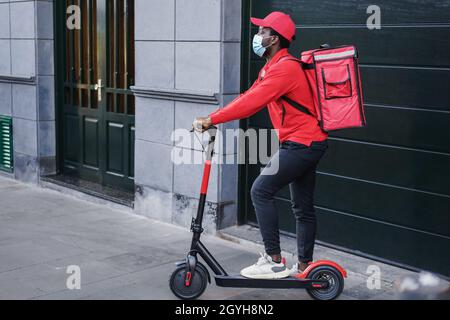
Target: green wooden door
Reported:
point(383, 190)
point(98, 108)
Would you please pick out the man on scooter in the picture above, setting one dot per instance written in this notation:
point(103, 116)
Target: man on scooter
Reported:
point(302, 145)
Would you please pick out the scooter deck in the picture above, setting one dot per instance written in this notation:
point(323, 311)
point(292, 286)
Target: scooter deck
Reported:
point(285, 283)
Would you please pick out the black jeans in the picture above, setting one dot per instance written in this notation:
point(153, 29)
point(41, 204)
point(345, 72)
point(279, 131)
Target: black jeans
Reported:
point(297, 167)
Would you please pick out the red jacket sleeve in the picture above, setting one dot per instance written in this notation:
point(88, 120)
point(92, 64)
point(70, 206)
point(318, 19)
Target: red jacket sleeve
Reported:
point(253, 85)
point(278, 81)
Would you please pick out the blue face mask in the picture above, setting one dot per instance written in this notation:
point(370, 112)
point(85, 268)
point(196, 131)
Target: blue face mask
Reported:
point(258, 47)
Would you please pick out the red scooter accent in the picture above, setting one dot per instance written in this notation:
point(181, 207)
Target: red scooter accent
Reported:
point(312, 266)
point(206, 174)
point(188, 279)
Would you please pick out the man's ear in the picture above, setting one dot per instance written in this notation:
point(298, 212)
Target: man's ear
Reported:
point(277, 39)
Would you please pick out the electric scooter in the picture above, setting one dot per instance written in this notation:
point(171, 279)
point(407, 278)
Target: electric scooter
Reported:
point(323, 280)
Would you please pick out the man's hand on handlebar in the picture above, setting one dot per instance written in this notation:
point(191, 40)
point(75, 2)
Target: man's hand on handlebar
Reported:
point(202, 124)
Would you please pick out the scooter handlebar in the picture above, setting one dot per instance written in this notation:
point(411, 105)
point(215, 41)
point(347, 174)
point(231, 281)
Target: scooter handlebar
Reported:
point(210, 128)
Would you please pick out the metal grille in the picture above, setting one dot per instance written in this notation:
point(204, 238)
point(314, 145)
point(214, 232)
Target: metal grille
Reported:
point(6, 144)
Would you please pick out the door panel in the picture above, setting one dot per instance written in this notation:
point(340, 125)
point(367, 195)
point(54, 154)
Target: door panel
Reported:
point(72, 141)
point(115, 147)
point(99, 109)
point(307, 12)
point(396, 42)
point(91, 147)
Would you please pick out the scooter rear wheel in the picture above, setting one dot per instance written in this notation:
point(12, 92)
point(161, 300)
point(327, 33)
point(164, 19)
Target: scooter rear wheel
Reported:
point(335, 283)
point(196, 288)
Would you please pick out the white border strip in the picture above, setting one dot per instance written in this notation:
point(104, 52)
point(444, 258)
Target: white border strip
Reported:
point(334, 55)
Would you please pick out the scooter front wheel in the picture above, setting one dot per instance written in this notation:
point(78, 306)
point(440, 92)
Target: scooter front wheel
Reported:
point(335, 283)
point(191, 291)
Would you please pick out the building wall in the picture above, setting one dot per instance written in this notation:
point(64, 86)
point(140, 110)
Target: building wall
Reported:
point(187, 65)
point(27, 84)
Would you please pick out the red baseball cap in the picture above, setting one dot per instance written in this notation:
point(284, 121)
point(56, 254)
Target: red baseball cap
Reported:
point(278, 21)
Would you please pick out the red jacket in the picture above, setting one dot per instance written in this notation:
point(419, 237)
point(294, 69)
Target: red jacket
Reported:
point(274, 81)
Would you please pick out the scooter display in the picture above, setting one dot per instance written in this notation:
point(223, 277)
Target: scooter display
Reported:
point(323, 280)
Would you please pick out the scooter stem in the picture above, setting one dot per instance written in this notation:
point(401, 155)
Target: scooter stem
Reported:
point(197, 223)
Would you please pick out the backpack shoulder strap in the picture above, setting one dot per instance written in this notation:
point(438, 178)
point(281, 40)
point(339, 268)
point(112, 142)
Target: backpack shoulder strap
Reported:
point(290, 58)
point(305, 66)
point(296, 105)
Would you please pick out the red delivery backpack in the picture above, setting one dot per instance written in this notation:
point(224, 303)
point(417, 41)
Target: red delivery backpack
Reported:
point(334, 79)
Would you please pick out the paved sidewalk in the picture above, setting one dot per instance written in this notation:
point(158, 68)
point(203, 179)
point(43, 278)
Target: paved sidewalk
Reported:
point(124, 256)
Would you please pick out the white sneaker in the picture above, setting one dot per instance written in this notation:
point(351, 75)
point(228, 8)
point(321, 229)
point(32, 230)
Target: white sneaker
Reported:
point(294, 271)
point(265, 268)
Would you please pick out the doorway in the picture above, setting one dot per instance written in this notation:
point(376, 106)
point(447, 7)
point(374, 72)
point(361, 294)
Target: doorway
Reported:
point(95, 106)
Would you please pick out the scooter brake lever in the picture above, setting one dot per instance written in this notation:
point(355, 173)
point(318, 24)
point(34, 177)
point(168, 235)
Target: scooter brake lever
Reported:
point(211, 127)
